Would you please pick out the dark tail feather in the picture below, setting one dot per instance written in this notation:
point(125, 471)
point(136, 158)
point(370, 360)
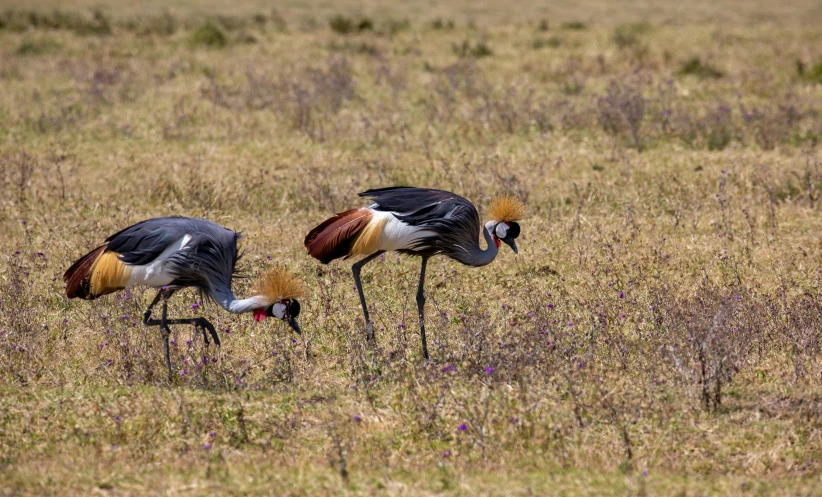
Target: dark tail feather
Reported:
point(334, 237)
point(78, 276)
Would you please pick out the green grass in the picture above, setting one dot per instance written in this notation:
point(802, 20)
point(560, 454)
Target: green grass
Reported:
point(658, 333)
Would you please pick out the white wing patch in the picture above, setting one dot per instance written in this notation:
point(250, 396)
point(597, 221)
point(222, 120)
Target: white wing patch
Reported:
point(153, 274)
point(396, 234)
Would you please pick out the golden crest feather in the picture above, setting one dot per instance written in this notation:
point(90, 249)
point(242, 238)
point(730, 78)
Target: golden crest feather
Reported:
point(278, 284)
point(506, 208)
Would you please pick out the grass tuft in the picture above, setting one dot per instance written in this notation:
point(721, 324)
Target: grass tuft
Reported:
point(209, 35)
point(695, 67)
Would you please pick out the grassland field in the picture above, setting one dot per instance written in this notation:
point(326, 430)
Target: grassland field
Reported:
point(659, 332)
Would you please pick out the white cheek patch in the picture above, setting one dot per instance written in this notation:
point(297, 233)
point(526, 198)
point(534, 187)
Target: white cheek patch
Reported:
point(278, 310)
point(502, 230)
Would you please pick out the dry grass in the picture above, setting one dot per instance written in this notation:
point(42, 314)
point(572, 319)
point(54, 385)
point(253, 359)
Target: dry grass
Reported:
point(658, 334)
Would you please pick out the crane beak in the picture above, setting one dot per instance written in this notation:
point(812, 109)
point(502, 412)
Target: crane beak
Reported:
point(294, 326)
point(511, 243)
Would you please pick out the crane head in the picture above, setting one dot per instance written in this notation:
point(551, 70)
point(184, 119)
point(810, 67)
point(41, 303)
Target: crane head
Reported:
point(507, 232)
point(286, 310)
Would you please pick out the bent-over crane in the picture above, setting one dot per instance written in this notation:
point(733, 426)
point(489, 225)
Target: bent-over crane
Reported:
point(171, 253)
point(415, 221)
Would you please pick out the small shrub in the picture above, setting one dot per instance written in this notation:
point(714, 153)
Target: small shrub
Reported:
point(552, 42)
point(36, 47)
point(209, 35)
point(574, 26)
point(626, 35)
point(622, 110)
point(365, 25)
point(695, 67)
point(99, 25)
point(709, 341)
point(16, 20)
point(394, 26)
point(571, 88)
point(247, 37)
point(716, 127)
point(770, 125)
point(543, 25)
point(346, 25)
point(441, 24)
point(163, 25)
point(814, 74)
point(477, 51)
point(277, 20)
point(355, 48)
point(229, 23)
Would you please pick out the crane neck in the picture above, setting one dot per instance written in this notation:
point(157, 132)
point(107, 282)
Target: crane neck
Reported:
point(232, 304)
point(476, 256)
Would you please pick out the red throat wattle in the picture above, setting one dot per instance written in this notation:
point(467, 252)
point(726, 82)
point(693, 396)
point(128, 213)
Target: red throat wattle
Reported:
point(496, 241)
point(259, 315)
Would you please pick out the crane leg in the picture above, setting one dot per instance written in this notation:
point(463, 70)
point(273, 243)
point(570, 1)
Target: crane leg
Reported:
point(160, 294)
point(421, 308)
point(202, 325)
point(355, 268)
point(165, 332)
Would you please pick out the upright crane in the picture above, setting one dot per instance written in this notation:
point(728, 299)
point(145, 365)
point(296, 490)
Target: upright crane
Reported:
point(415, 221)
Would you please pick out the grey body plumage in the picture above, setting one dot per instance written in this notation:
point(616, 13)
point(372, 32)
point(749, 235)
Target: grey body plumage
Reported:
point(172, 253)
point(453, 218)
point(208, 262)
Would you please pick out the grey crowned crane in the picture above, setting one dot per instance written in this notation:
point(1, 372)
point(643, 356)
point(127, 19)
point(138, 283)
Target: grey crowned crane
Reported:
point(415, 221)
point(171, 253)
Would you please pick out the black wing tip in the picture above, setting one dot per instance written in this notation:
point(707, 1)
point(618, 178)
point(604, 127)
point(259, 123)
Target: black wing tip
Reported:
point(374, 192)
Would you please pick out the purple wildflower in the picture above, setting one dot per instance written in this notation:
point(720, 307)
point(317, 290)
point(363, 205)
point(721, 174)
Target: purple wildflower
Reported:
point(462, 427)
point(489, 370)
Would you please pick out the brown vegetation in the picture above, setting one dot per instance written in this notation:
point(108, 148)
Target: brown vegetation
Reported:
point(658, 333)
